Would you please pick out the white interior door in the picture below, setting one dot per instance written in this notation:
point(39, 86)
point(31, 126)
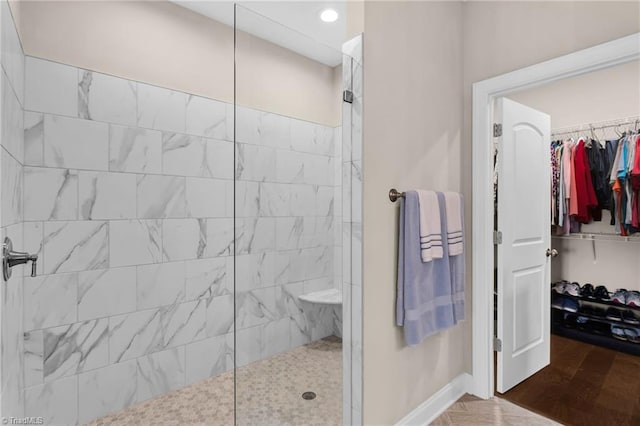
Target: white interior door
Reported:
point(524, 221)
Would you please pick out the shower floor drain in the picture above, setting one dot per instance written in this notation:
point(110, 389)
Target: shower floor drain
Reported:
point(309, 395)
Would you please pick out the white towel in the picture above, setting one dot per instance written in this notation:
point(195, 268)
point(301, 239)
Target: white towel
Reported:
point(430, 230)
point(455, 237)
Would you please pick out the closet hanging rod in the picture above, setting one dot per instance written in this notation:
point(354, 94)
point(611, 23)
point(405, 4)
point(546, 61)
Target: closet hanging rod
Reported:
point(634, 120)
point(394, 194)
point(599, 237)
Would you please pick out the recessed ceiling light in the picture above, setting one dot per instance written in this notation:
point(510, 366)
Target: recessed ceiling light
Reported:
point(329, 15)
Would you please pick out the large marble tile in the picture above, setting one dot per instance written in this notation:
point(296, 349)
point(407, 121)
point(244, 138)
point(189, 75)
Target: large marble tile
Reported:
point(50, 194)
point(255, 235)
point(207, 278)
point(161, 109)
point(318, 169)
point(135, 334)
point(184, 323)
point(256, 307)
point(290, 166)
point(247, 199)
point(220, 237)
point(55, 401)
point(160, 284)
point(160, 373)
point(274, 199)
point(276, 337)
point(311, 137)
point(103, 195)
point(135, 150)
point(325, 201)
point(219, 155)
point(103, 97)
point(33, 138)
point(75, 143)
point(207, 358)
point(135, 242)
point(161, 196)
point(11, 189)
point(50, 300)
point(33, 358)
point(206, 117)
point(255, 270)
point(75, 246)
point(106, 292)
point(250, 344)
point(50, 87)
point(106, 390)
point(289, 298)
point(183, 239)
point(303, 200)
point(255, 163)
point(209, 197)
point(184, 155)
point(33, 243)
point(289, 232)
point(262, 128)
point(12, 121)
point(12, 333)
point(300, 334)
point(12, 56)
point(220, 314)
point(71, 349)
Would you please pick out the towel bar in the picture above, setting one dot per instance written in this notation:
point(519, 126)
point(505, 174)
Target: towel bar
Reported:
point(394, 194)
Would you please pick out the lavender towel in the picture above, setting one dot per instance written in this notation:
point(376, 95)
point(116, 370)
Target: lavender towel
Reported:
point(425, 299)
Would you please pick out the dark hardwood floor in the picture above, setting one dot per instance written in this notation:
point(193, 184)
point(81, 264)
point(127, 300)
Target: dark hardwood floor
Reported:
point(584, 385)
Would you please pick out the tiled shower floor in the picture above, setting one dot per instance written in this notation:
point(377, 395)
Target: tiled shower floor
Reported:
point(269, 393)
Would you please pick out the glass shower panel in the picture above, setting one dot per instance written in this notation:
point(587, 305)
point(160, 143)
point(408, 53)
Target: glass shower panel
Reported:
point(122, 185)
point(288, 192)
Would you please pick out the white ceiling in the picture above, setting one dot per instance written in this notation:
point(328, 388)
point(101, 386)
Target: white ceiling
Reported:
point(295, 25)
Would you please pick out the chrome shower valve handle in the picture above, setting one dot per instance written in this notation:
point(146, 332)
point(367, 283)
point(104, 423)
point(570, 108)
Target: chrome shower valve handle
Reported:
point(12, 258)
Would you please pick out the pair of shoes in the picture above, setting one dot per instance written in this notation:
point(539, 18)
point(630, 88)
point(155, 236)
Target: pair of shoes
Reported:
point(565, 287)
point(624, 297)
point(559, 286)
point(587, 291)
point(565, 303)
point(620, 296)
point(633, 298)
point(601, 293)
point(623, 333)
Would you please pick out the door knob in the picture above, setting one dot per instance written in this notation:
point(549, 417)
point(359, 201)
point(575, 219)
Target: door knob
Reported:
point(552, 252)
point(12, 258)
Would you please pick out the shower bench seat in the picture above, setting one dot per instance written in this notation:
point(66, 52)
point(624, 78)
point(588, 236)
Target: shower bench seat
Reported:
point(332, 296)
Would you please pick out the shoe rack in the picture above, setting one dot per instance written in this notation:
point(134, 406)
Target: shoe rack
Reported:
point(590, 323)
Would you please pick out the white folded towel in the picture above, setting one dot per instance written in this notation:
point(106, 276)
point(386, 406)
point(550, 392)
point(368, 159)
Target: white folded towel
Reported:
point(430, 230)
point(455, 237)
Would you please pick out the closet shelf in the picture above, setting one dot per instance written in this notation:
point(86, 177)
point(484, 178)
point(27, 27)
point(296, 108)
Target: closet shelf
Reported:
point(598, 318)
point(602, 302)
point(599, 237)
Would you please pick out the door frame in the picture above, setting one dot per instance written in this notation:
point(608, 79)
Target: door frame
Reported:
point(602, 56)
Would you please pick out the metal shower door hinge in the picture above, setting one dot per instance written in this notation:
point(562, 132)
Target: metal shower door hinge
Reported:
point(497, 344)
point(497, 237)
point(497, 130)
point(347, 96)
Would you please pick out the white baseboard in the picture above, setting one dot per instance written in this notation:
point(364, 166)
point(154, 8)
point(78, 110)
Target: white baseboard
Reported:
point(429, 410)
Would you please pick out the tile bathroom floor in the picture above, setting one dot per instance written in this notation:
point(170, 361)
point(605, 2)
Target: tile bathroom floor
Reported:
point(269, 393)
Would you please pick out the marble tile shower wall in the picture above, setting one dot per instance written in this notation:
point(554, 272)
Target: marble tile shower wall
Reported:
point(11, 213)
point(129, 202)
